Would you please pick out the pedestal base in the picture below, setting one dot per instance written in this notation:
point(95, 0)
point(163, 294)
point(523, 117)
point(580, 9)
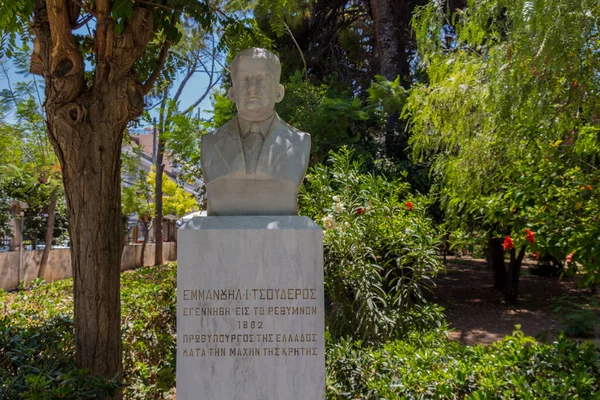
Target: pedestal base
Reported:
point(250, 318)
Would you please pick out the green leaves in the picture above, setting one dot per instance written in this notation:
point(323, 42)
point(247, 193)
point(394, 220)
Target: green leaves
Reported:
point(509, 118)
point(429, 366)
point(14, 20)
point(37, 340)
point(380, 253)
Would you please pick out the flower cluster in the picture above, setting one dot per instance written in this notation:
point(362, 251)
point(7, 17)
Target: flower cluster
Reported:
point(570, 257)
point(337, 205)
point(508, 243)
point(530, 236)
point(328, 222)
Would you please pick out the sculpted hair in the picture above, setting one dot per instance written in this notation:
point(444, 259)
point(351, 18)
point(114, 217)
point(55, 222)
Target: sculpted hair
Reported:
point(255, 52)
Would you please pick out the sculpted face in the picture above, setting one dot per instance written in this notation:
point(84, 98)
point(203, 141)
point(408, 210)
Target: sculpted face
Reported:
point(256, 88)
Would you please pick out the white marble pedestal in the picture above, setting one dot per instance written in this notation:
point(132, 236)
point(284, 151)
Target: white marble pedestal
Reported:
point(250, 322)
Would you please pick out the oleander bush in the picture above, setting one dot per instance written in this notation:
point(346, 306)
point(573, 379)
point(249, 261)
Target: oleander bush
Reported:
point(37, 359)
point(380, 249)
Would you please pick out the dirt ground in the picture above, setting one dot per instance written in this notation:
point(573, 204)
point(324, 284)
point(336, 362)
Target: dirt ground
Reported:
point(477, 313)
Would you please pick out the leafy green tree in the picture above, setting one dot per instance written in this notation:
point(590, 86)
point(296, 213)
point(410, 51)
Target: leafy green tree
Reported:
point(95, 83)
point(191, 57)
point(34, 177)
point(176, 200)
point(138, 199)
point(509, 121)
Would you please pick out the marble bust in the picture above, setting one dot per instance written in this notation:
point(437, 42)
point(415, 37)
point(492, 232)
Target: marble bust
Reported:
point(254, 163)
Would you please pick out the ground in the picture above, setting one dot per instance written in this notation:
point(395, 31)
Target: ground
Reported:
point(477, 313)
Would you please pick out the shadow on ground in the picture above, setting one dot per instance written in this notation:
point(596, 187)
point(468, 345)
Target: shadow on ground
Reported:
point(477, 312)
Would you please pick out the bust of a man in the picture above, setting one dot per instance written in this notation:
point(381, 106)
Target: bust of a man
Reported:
point(254, 163)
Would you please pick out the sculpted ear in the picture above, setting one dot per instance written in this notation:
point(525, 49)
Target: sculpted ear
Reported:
point(231, 94)
point(280, 93)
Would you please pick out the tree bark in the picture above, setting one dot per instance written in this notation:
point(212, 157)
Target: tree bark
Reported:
point(85, 124)
point(91, 176)
point(145, 225)
point(158, 202)
point(511, 290)
point(49, 234)
point(391, 24)
point(495, 255)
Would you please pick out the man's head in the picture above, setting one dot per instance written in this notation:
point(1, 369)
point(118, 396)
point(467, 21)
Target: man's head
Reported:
point(255, 74)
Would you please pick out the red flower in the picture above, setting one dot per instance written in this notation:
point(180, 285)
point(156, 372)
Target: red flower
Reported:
point(536, 255)
point(570, 257)
point(530, 236)
point(359, 211)
point(409, 205)
point(508, 243)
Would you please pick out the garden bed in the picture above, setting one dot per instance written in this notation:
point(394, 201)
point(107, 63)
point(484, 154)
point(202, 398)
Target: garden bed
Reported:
point(37, 354)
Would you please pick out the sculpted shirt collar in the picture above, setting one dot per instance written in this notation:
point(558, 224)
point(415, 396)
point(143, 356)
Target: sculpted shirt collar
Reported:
point(263, 125)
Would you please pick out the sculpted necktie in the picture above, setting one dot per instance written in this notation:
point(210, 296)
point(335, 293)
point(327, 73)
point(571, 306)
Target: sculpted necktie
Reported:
point(252, 142)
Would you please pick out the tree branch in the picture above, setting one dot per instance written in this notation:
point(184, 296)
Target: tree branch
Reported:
point(66, 61)
point(190, 73)
point(206, 92)
point(83, 22)
point(162, 57)
point(310, 116)
point(104, 31)
point(86, 9)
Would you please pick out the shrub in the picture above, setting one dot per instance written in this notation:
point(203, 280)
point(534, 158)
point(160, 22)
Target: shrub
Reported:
point(432, 367)
point(380, 249)
point(37, 355)
point(37, 349)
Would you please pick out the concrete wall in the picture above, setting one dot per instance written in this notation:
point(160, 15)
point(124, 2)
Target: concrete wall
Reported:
point(59, 263)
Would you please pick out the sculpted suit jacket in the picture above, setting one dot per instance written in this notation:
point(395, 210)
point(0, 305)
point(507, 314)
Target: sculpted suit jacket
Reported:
point(272, 189)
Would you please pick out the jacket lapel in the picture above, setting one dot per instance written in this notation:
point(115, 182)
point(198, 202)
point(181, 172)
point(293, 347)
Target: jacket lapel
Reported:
point(230, 147)
point(276, 143)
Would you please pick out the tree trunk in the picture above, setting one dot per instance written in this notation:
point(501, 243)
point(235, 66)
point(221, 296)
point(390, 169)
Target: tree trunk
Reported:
point(511, 290)
point(92, 180)
point(145, 225)
point(49, 233)
point(495, 255)
point(158, 202)
point(85, 119)
point(391, 25)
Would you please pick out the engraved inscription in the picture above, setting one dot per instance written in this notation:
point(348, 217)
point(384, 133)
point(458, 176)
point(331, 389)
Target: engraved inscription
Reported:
point(241, 315)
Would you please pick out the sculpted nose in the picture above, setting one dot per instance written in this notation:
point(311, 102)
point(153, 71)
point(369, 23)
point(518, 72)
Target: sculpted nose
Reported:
point(252, 86)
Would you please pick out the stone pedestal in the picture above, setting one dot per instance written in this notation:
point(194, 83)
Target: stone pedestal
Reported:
point(250, 321)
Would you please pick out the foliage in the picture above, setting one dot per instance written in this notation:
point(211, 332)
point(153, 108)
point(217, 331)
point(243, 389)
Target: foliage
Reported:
point(509, 120)
point(30, 171)
point(176, 200)
point(37, 340)
point(137, 199)
point(332, 118)
point(37, 354)
point(380, 249)
point(578, 316)
point(432, 367)
point(37, 196)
